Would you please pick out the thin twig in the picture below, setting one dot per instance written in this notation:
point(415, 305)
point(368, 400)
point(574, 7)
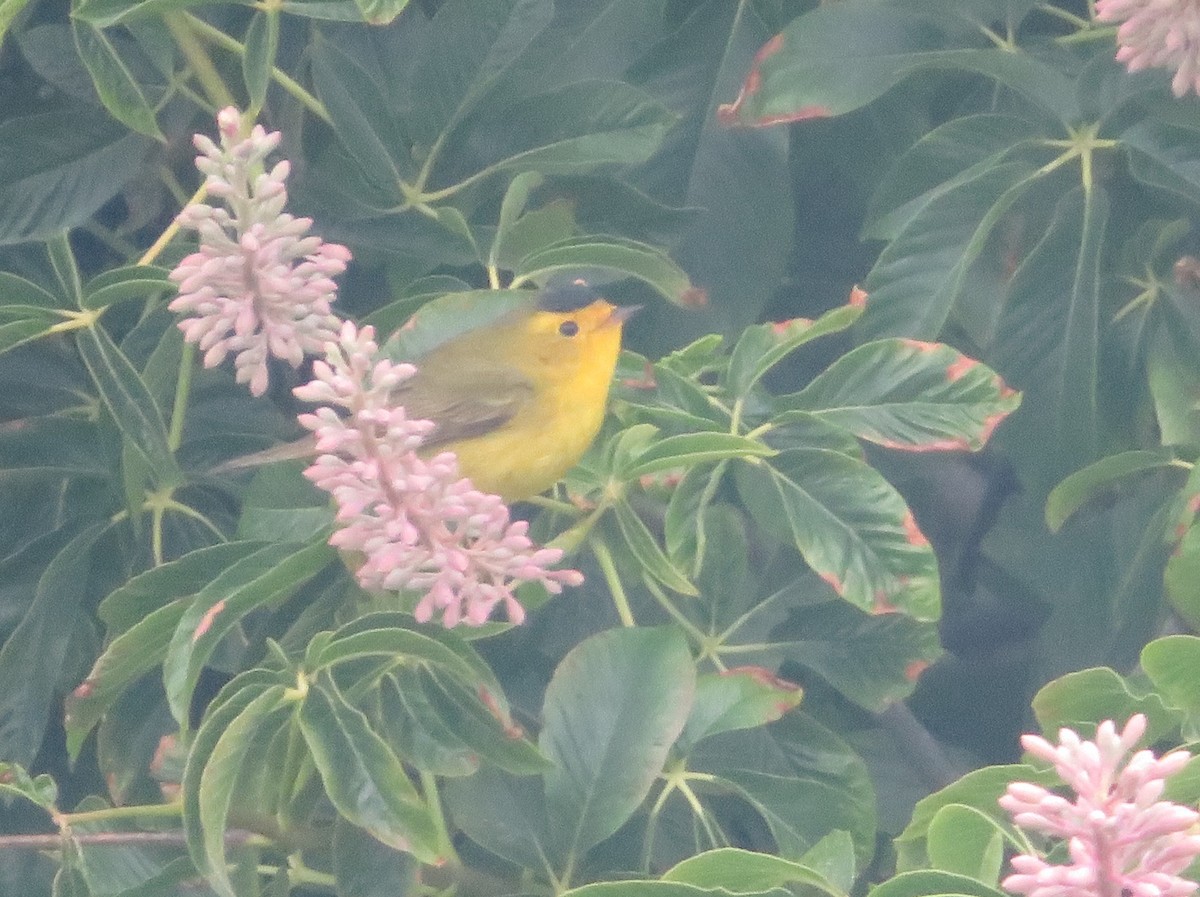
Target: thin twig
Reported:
point(233, 838)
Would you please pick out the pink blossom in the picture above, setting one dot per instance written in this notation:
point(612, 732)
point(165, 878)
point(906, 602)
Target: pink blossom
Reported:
point(1158, 34)
point(258, 285)
point(419, 525)
point(1122, 841)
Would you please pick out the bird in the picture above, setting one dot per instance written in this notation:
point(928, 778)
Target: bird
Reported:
point(518, 400)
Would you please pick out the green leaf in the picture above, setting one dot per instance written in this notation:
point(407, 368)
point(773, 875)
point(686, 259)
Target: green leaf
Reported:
point(598, 258)
point(614, 706)
point(874, 660)
point(743, 871)
point(652, 560)
point(41, 789)
point(36, 324)
point(575, 129)
point(512, 208)
point(1084, 485)
point(1170, 663)
point(115, 84)
point(1048, 340)
point(363, 867)
point(502, 813)
point(58, 168)
point(9, 10)
point(154, 588)
point(1182, 575)
point(467, 51)
point(739, 698)
point(689, 450)
point(214, 765)
point(266, 576)
point(1082, 699)
point(964, 841)
point(416, 731)
point(363, 778)
point(261, 43)
point(763, 346)
point(494, 736)
point(685, 526)
point(739, 247)
point(1163, 154)
point(979, 789)
point(909, 395)
point(849, 524)
point(33, 657)
point(120, 284)
point(363, 121)
point(927, 883)
point(799, 811)
point(840, 57)
point(381, 12)
point(921, 274)
point(648, 888)
point(957, 151)
point(130, 403)
point(105, 13)
point(16, 290)
point(129, 656)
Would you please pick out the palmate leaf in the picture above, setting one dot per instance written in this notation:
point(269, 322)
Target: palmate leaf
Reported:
point(910, 395)
point(575, 129)
point(920, 275)
point(840, 57)
point(956, 151)
point(739, 246)
point(468, 49)
point(873, 660)
point(1048, 341)
point(59, 167)
point(849, 524)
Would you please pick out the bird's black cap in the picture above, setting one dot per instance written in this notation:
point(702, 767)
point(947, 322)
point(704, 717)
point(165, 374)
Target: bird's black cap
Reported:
point(565, 297)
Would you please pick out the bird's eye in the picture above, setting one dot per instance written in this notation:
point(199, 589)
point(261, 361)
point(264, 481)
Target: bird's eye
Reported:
point(568, 328)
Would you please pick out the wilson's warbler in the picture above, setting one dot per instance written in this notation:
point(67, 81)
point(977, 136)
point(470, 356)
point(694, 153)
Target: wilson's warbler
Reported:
point(518, 400)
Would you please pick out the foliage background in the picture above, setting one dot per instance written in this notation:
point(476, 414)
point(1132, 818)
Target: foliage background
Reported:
point(997, 184)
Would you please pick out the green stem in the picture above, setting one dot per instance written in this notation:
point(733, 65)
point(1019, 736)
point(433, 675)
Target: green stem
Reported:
point(225, 42)
point(110, 814)
point(620, 600)
point(684, 623)
point(202, 67)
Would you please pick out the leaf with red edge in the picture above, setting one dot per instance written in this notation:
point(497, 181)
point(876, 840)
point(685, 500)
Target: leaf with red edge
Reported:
point(739, 698)
point(850, 525)
point(841, 56)
point(910, 395)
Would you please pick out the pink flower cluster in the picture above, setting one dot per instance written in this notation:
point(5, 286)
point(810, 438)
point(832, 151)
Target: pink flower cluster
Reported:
point(1122, 840)
point(1158, 34)
point(258, 285)
point(419, 525)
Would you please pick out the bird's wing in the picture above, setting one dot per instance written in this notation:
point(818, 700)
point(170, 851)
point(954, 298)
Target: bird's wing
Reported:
point(464, 400)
